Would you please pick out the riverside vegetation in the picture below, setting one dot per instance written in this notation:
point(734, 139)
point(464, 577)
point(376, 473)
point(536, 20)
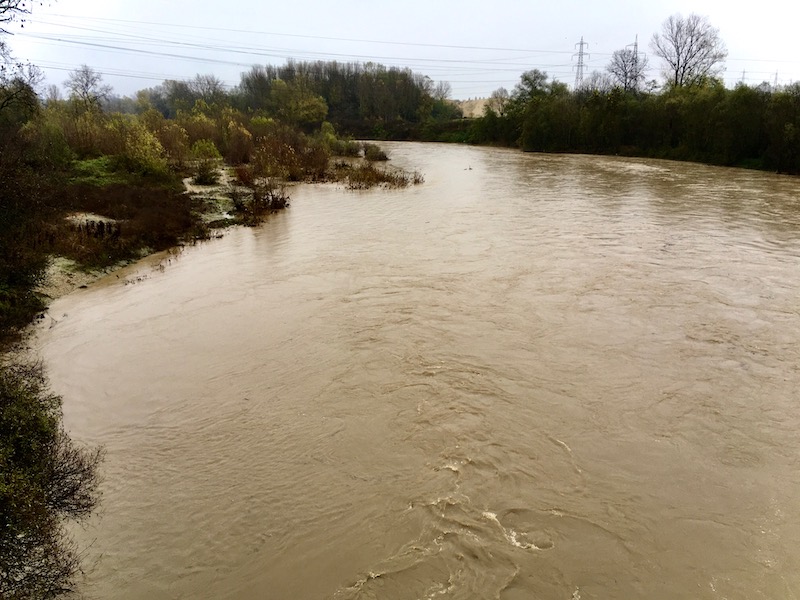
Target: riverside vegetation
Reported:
point(752, 127)
point(97, 179)
point(95, 185)
point(121, 165)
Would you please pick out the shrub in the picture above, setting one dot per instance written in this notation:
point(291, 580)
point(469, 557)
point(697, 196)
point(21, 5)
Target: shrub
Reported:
point(198, 127)
point(136, 149)
point(45, 143)
point(205, 149)
point(345, 148)
point(175, 141)
point(24, 237)
point(268, 196)
point(276, 157)
point(239, 144)
point(373, 153)
point(207, 157)
point(314, 161)
point(44, 480)
point(366, 175)
point(84, 133)
point(244, 174)
point(261, 126)
point(152, 119)
point(206, 173)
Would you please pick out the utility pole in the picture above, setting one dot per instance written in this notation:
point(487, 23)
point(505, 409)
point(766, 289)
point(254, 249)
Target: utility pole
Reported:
point(581, 64)
point(743, 76)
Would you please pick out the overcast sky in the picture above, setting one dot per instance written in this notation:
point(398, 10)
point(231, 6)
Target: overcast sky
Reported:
point(475, 45)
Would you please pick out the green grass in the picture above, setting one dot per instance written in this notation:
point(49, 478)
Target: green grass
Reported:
point(98, 172)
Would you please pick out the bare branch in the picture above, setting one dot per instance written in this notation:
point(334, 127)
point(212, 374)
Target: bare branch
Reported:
point(86, 87)
point(498, 101)
point(691, 49)
point(627, 69)
point(18, 83)
point(12, 10)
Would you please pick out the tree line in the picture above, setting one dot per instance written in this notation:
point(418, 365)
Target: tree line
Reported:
point(691, 116)
point(362, 100)
point(755, 127)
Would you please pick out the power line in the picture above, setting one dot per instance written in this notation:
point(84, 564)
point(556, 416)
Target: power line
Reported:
point(451, 68)
point(340, 39)
point(263, 52)
point(127, 37)
point(317, 37)
point(205, 45)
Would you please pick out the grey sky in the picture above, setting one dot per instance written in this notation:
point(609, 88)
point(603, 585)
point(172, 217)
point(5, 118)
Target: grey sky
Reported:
point(476, 45)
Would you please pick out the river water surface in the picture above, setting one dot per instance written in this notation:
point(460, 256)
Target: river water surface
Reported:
point(531, 377)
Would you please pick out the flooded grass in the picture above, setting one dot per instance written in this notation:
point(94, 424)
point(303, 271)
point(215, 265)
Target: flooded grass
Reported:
point(363, 176)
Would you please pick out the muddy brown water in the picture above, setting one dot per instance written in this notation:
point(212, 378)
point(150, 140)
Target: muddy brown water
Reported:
point(538, 377)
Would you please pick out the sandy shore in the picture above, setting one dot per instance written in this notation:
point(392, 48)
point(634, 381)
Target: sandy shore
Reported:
point(64, 276)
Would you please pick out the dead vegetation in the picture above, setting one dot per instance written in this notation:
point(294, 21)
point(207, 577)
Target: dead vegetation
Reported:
point(365, 175)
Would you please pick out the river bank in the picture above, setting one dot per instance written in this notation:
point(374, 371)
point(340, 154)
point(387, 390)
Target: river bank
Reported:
point(64, 275)
point(215, 207)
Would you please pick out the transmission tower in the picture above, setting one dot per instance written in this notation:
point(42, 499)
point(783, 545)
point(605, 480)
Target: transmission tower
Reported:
point(635, 70)
point(581, 64)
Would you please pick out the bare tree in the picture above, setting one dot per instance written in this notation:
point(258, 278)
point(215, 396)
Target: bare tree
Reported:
point(208, 87)
point(498, 100)
point(442, 91)
point(627, 69)
point(18, 82)
point(11, 10)
point(597, 82)
point(52, 95)
point(691, 49)
point(86, 87)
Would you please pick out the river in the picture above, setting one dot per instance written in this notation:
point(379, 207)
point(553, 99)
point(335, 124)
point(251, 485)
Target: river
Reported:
point(531, 377)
